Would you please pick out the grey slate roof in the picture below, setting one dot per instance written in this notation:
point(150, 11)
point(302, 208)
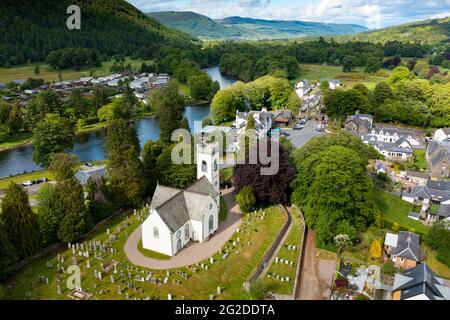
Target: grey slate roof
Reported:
point(444, 211)
point(176, 207)
point(428, 193)
point(420, 280)
point(438, 151)
point(408, 246)
point(439, 184)
point(95, 172)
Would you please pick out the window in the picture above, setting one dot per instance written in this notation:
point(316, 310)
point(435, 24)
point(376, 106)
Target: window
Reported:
point(215, 165)
point(204, 166)
point(210, 206)
point(155, 232)
point(178, 234)
point(186, 232)
point(211, 224)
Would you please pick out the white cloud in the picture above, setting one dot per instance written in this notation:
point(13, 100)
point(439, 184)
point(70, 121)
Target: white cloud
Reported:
point(371, 13)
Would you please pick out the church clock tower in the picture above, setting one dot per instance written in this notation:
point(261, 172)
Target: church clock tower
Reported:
point(208, 163)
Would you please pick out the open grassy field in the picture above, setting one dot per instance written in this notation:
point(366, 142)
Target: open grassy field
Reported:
point(5, 182)
point(27, 71)
point(395, 210)
point(316, 72)
point(230, 273)
point(282, 269)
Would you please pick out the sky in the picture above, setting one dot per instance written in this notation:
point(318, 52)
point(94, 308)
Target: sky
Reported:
point(373, 14)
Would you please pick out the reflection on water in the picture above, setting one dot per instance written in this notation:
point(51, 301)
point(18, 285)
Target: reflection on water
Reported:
point(89, 145)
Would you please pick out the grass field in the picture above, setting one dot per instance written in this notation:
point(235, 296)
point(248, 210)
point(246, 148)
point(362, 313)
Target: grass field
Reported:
point(152, 254)
point(419, 160)
point(316, 72)
point(5, 182)
point(284, 270)
point(256, 236)
point(27, 71)
point(395, 210)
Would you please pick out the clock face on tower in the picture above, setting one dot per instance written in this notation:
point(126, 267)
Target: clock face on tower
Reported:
point(178, 234)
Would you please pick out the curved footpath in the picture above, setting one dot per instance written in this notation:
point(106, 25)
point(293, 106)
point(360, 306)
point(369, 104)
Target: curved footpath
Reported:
point(194, 252)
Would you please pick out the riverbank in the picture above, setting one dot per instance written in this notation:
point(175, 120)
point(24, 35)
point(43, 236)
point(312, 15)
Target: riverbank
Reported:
point(25, 139)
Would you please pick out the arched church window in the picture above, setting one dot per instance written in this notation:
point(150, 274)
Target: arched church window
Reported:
point(211, 224)
point(186, 231)
point(204, 166)
point(215, 165)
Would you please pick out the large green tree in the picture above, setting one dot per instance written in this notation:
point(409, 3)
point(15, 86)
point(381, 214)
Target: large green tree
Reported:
point(332, 186)
point(19, 221)
point(8, 255)
point(169, 105)
point(53, 135)
point(125, 170)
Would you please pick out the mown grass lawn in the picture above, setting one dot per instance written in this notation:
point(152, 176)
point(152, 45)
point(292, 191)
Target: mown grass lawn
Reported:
point(229, 273)
point(5, 182)
point(284, 270)
point(27, 71)
point(395, 210)
point(420, 160)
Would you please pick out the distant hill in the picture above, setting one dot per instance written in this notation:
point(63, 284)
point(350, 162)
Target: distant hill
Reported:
point(31, 29)
point(425, 32)
point(247, 28)
point(196, 24)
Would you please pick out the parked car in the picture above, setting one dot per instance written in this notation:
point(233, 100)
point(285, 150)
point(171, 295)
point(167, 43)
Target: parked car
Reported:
point(299, 126)
point(302, 121)
point(88, 164)
point(284, 133)
point(41, 180)
point(27, 183)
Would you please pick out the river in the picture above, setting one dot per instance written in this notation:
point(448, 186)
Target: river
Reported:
point(89, 146)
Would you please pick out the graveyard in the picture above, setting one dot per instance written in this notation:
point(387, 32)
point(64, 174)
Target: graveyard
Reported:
point(280, 278)
point(106, 273)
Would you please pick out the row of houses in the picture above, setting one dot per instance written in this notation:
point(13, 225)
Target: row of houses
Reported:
point(393, 143)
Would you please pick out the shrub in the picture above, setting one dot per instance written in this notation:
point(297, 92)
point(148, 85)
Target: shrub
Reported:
point(395, 227)
point(246, 199)
point(375, 249)
point(388, 268)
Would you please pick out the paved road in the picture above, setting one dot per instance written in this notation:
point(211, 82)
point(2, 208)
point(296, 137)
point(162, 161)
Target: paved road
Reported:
point(317, 274)
point(300, 137)
point(195, 252)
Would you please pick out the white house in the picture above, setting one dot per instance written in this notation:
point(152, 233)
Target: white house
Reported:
point(393, 135)
point(400, 150)
point(442, 134)
point(262, 119)
point(180, 216)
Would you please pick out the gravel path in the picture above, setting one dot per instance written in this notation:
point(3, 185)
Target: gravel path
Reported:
point(194, 252)
point(317, 274)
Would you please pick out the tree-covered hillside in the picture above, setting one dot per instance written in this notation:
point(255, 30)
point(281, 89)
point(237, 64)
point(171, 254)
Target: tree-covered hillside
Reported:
point(32, 29)
point(425, 32)
point(237, 28)
point(196, 25)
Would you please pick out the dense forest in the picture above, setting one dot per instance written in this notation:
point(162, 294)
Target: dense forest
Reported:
point(33, 29)
point(248, 61)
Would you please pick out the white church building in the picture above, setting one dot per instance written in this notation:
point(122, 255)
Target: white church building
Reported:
point(180, 216)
